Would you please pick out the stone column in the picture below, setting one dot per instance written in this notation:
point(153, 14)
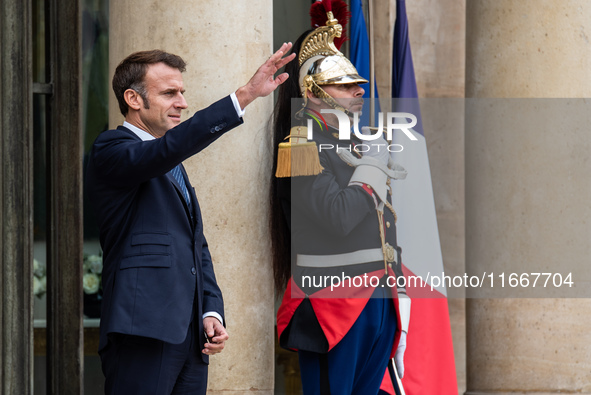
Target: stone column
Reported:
point(223, 44)
point(437, 35)
point(527, 192)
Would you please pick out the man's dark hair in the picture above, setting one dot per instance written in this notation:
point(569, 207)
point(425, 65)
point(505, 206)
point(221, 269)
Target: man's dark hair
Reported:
point(132, 70)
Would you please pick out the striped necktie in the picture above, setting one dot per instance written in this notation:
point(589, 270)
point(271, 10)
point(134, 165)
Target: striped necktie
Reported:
point(176, 172)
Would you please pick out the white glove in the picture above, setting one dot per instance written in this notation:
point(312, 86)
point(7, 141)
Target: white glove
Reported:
point(399, 354)
point(393, 170)
point(378, 148)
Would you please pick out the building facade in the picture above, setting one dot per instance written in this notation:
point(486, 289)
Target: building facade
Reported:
point(57, 58)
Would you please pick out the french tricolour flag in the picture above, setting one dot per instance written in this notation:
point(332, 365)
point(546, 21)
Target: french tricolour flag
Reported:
point(429, 358)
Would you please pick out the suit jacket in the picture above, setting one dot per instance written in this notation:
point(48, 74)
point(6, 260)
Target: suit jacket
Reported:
point(157, 272)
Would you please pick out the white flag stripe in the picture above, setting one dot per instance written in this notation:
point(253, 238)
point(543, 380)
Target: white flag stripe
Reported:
point(417, 220)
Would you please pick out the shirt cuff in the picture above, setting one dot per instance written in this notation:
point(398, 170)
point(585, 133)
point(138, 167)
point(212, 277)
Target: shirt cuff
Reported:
point(214, 314)
point(404, 311)
point(239, 111)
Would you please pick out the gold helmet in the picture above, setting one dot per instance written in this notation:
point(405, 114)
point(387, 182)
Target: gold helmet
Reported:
point(320, 61)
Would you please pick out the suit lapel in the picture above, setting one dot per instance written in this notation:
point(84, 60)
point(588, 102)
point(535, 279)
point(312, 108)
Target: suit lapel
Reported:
point(192, 196)
point(180, 192)
point(174, 182)
point(177, 186)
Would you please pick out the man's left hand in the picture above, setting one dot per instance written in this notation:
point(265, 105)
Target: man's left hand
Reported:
point(217, 333)
point(263, 82)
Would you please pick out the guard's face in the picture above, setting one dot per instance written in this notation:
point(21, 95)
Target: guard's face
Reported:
point(164, 88)
point(350, 96)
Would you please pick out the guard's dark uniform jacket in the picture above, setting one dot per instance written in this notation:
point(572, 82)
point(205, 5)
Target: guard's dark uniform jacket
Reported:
point(335, 231)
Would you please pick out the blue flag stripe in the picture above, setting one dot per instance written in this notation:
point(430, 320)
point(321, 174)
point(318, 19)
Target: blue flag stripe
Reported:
point(404, 83)
point(359, 53)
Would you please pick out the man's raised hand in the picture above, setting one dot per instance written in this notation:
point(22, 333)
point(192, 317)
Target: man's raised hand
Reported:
point(263, 82)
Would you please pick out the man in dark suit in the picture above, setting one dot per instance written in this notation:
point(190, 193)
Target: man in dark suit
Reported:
point(162, 313)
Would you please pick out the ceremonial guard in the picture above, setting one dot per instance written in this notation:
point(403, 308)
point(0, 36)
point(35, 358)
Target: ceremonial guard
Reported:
point(333, 225)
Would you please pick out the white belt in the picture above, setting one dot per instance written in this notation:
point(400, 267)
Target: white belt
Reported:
point(350, 258)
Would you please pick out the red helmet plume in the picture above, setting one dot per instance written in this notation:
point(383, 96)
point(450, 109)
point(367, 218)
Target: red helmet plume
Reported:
point(319, 11)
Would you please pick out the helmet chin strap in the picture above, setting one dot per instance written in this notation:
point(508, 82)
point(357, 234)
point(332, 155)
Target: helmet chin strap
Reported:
point(312, 86)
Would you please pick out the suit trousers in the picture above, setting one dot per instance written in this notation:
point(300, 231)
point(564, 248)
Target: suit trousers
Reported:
point(146, 366)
